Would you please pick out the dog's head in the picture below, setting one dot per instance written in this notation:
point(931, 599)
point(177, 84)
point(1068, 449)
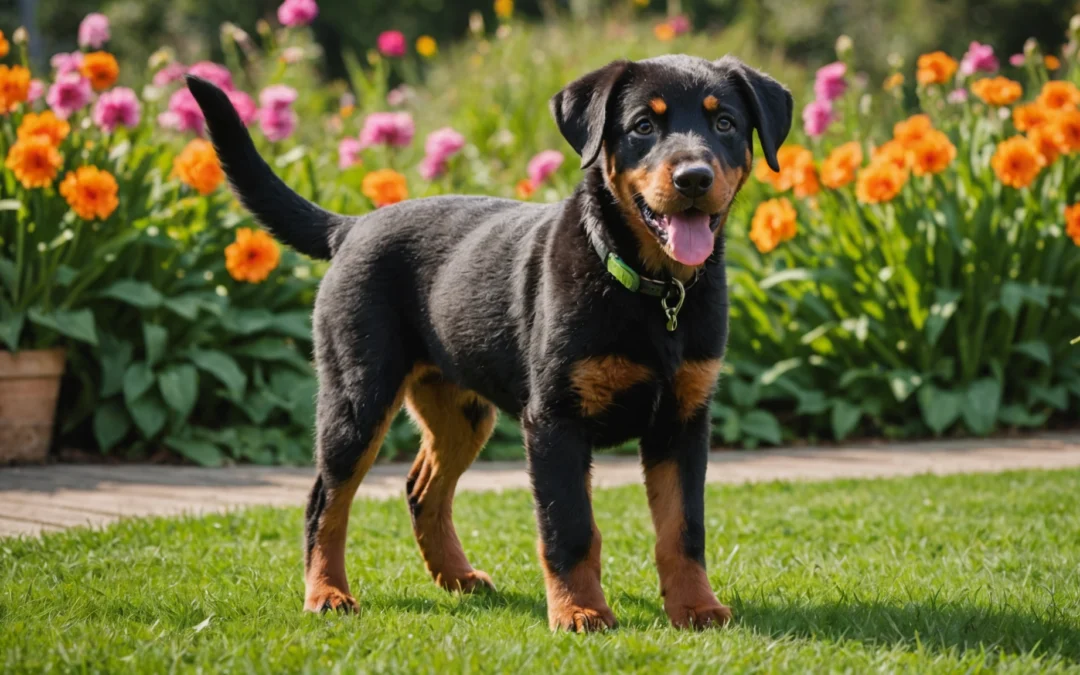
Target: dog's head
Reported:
point(674, 135)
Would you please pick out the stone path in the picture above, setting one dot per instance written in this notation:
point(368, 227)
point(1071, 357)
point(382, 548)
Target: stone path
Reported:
point(42, 499)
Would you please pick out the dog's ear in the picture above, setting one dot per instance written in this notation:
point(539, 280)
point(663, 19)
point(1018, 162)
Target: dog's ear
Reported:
point(770, 104)
point(580, 109)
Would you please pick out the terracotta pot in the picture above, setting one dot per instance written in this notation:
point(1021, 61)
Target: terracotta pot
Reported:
point(29, 386)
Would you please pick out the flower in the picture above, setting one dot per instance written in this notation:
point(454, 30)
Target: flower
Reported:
point(797, 171)
point(277, 96)
point(1052, 62)
point(34, 161)
point(213, 73)
point(504, 9)
point(391, 43)
point(90, 192)
point(1064, 128)
point(440, 145)
point(524, 189)
point(101, 69)
point(94, 31)
point(839, 167)
point(277, 124)
point(384, 187)
point(35, 90)
point(66, 63)
point(931, 154)
point(542, 165)
point(169, 74)
point(829, 82)
point(893, 152)
point(14, 87)
point(426, 46)
point(773, 223)
point(1045, 143)
point(252, 257)
point(68, 94)
point(245, 106)
point(4, 46)
point(119, 106)
point(393, 129)
point(45, 124)
point(879, 182)
point(349, 152)
point(399, 95)
point(958, 95)
point(292, 54)
point(817, 116)
point(1058, 94)
point(1072, 223)
point(1017, 162)
point(935, 68)
point(893, 81)
point(1016, 60)
point(664, 32)
point(680, 24)
point(978, 59)
point(197, 165)
point(1029, 116)
point(912, 129)
point(997, 90)
point(183, 113)
point(297, 12)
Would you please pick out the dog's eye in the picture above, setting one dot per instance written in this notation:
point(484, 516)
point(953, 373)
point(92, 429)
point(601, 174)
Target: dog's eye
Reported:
point(643, 126)
point(724, 124)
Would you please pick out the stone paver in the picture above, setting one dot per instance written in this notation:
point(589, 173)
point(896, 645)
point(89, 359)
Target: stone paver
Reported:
point(34, 500)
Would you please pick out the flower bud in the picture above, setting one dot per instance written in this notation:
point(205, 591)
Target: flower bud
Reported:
point(844, 46)
point(895, 61)
point(1031, 47)
point(20, 36)
point(1074, 27)
point(476, 23)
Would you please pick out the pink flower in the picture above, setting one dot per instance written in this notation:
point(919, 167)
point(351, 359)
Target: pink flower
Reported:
point(68, 94)
point(245, 106)
point(119, 106)
point(214, 73)
point(1016, 60)
point(349, 152)
point(432, 167)
point(66, 63)
point(978, 59)
point(183, 113)
point(277, 124)
point(391, 43)
point(829, 83)
point(394, 129)
point(37, 88)
point(94, 30)
point(292, 54)
point(817, 116)
point(680, 24)
point(441, 144)
point(169, 74)
point(297, 12)
point(277, 97)
point(543, 165)
point(957, 95)
point(399, 96)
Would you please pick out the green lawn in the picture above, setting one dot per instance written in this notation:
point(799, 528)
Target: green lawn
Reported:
point(954, 574)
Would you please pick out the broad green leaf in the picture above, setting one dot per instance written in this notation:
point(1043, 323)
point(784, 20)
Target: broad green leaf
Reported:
point(778, 369)
point(844, 418)
point(258, 404)
point(1014, 294)
point(179, 387)
point(730, 430)
point(186, 306)
point(980, 405)
point(1035, 349)
point(904, 383)
point(743, 395)
point(221, 366)
point(64, 276)
point(155, 339)
point(11, 325)
point(7, 274)
point(945, 303)
point(247, 321)
point(763, 425)
point(825, 274)
point(274, 349)
point(137, 379)
point(1017, 415)
point(149, 414)
point(1056, 396)
point(812, 403)
point(293, 324)
point(939, 408)
point(115, 357)
point(77, 325)
point(200, 452)
point(111, 424)
point(136, 293)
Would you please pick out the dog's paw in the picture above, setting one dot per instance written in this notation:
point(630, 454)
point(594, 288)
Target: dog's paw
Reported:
point(470, 582)
point(578, 619)
point(329, 599)
point(700, 617)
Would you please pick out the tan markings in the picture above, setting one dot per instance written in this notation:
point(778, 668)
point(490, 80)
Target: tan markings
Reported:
point(658, 105)
point(688, 599)
point(449, 444)
point(694, 382)
point(711, 103)
point(597, 379)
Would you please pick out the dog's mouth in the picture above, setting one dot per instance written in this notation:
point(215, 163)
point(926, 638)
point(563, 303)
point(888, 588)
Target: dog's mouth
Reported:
point(687, 236)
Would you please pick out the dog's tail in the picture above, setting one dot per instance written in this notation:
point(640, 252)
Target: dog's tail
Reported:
point(289, 217)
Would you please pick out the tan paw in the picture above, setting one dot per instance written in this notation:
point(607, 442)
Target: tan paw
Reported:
point(470, 582)
point(330, 599)
point(581, 619)
point(700, 617)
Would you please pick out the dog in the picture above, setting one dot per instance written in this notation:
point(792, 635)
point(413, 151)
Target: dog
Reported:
point(594, 320)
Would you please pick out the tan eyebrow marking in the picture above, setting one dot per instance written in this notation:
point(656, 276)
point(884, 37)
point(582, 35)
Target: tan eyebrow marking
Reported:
point(711, 103)
point(658, 105)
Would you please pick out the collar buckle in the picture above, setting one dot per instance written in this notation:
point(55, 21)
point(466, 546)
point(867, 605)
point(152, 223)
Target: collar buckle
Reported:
point(677, 291)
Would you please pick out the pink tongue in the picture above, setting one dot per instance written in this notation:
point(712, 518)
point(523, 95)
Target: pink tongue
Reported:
point(689, 239)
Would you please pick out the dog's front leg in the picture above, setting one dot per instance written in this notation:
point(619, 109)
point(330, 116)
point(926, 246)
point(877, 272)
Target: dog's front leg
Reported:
point(675, 454)
point(569, 546)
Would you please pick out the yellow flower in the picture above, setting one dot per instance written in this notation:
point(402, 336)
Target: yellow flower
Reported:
point(426, 46)
point(252, 257)
point(101, 69)
point(44, 124)
point(347, 110)
point(1052, 62)
point(1017, 162)
point(773, 223)
point(197, 165)
point(664, 32)
point(880, 182)
point(893, 81)
point(524, 189)
point(34, 161)
point(1072, 223)
point(997, 90)
point(14, 87)
point(935, 68)
point(90, 192)
point(504, 9)
point(839, 167)
point(384, 187)
point(932, 154)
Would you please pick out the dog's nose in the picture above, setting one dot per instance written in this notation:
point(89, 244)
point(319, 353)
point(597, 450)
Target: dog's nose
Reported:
point(693, 180)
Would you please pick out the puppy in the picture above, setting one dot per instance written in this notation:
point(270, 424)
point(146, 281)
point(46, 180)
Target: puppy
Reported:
point(593, 320)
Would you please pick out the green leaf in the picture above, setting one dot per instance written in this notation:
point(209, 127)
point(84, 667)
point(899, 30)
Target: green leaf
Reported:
point(945, 303)
point(904, 383)
point(940, 409)
point(1014, 294)
point(247, 321)
point(179, 387)
point(115, 357)
point(1056, 396)
point(844, 418)
point(980, 405)
point(111, 424)
point(743, 395)
point(1035, 349)
point(10, 204)
point(293, 324)
point(136, 293)
point(258, 405)
point(778, 369)
point(137, 379)
point(155, 338)
point(221, 366)
point(274, 349)
point(7, 274)
point(812, 403)
point(77, 325)
point(11, 325)
point(186, 306)
point(149, 414)
point(825, 274)
point(200, 452)
point(763, 425)
point(1017, 415)
point(64, 276)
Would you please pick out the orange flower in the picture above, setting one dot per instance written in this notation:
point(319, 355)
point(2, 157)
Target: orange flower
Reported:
point(1072, 223)
point(1064, 128)
point(664, 32)
point(34, 161)
point(880, 182)
point(839, 167)
point(796, 171)
point(385, 187)
point(997, 90)
point(1029, 116)
point(1052, 62)
point(892, 152)
point(1057, 95)
point(44, 124)
point(932, 154)
point(1044, 142)
point(101, 69)
point(524, 189)
point(935, 68)
point(893, 81)
point(252, 257)
point(5, 47)
point(14, 87)
point(90, 192)
point(1017, 162)
point(912, 129)
point(773, 223)
point(197, 165)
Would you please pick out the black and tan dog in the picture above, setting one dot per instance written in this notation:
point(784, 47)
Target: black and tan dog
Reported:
point(593, 320)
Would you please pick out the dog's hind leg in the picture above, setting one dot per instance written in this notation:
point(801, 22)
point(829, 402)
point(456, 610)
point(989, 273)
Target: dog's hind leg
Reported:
point(455, 424)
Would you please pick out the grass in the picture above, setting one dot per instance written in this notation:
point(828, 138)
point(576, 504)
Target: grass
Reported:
point(928, 574)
